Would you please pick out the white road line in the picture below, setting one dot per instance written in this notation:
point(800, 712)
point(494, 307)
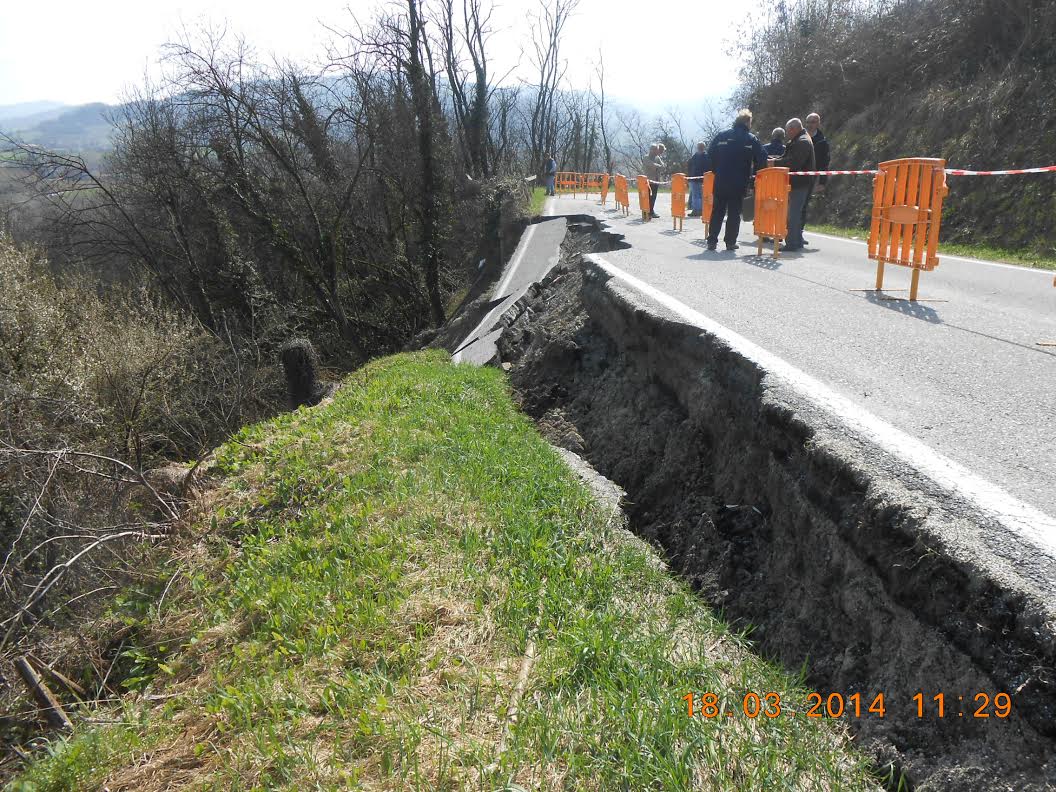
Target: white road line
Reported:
point(942, 256)
point(521, 248)
point(518, 256)
point(1020, 517)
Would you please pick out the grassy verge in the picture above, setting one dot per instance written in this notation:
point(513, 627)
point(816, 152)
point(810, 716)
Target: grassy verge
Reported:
point(538, 199)
point(985, 252)
point(406, 588)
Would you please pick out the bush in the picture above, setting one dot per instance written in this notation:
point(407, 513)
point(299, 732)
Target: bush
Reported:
point(118, 375)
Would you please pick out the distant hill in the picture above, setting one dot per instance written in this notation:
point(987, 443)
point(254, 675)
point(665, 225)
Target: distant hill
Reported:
point(82, 129)
point(25, 109)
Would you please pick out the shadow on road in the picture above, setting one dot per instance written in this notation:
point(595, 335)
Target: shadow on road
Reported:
point(916, 310)
point(713, 255)
point(763, 262)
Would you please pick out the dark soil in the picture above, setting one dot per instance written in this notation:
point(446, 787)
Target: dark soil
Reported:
point(779, 534)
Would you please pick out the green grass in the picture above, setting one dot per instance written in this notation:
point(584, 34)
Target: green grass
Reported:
point(986, 252)
point(535, 207)
point(355, 606)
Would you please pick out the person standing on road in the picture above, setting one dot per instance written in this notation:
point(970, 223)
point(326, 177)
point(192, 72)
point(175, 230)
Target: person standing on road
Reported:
point(821, 158)
point(776, 146)
point(734, 155)
point(551, 173)
point(798, 156)
point(653, 168)
point(699, 164)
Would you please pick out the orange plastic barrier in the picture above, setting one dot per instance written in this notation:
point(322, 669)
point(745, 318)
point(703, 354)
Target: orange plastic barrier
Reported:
point(679, 185)
point(623, 201)
point(772, 186)
point(566, 182)
point(595, 182)
point(707, 190)
point(907, 212)
point(643, 197)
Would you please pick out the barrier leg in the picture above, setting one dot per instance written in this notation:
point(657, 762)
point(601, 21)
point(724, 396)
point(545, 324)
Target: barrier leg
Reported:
point(913, 285)
point(879, 275)
point(759, 246)
point(777, 247)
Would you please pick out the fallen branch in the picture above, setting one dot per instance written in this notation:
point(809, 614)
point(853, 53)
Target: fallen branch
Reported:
point(58, 677)
point(62, 454)
point(53, 712)
point(55, 574)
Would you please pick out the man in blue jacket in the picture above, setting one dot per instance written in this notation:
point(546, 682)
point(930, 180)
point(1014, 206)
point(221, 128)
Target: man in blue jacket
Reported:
point(699, 164)
point(551, 173)
point(735, 155)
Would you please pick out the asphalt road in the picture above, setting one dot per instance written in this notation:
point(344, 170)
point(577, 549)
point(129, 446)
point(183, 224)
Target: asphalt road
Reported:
point(537, 251)
point(961, 371)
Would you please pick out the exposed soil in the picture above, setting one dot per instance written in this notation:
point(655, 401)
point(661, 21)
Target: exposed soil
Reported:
point(787, 532)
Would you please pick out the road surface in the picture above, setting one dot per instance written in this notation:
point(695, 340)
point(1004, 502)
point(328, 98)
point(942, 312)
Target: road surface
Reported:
point(963, 371)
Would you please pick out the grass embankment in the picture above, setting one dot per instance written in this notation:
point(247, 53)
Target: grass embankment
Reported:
point(985, 252)
point(535, 207)
point(406, 588)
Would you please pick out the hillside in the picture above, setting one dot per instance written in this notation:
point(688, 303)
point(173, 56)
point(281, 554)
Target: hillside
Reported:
point(24, 110)
point(970, 81)
point(407, 588)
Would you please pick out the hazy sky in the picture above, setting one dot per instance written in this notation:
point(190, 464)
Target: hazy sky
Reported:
point(76, 51)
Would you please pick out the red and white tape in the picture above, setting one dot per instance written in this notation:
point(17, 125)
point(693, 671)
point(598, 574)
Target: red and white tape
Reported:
point(1046, 169)
point(949, 172)
point(834, 173)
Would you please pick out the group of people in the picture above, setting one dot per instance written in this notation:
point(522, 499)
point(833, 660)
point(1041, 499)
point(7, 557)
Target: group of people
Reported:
point(735, 155)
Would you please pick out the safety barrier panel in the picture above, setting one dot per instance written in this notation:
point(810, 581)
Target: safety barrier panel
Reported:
point(679, 185)
point(772, 186)
point(707, 190)
point(643, 197)
point(623, 202)
point(567, 182)
point(907, 212)
point(595, 182)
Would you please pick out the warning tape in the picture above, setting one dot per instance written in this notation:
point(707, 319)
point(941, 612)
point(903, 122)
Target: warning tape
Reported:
point(949, 172)
point(834, 173)
point(1046, 169)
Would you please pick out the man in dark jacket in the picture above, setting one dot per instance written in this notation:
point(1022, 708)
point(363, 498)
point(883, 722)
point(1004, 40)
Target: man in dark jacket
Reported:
point(798, 156)
point(735, 154)
point(698, 165)
point(821, 157)
point(776, 146)
point(551, 173)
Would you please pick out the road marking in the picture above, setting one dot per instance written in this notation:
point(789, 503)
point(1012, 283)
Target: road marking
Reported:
point(991, 499)
point(521, 248)
point(942, 256)
point(518, 256)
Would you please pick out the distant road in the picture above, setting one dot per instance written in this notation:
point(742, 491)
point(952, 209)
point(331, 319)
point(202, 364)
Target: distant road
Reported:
point(961, 371)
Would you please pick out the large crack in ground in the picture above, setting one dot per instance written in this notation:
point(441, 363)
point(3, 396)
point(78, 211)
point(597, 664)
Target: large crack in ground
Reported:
point(777, 529)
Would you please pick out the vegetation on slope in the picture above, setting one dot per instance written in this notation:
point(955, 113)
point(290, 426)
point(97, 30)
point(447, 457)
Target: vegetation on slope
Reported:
point(970, 81)
point(90, 381)
point(406, 588)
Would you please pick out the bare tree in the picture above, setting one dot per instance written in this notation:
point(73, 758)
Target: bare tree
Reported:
point(465, 33)
point(546, 57)
point(599, 95)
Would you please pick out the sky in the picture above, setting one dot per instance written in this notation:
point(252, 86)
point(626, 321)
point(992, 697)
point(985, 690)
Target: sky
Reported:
point(96, 51)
